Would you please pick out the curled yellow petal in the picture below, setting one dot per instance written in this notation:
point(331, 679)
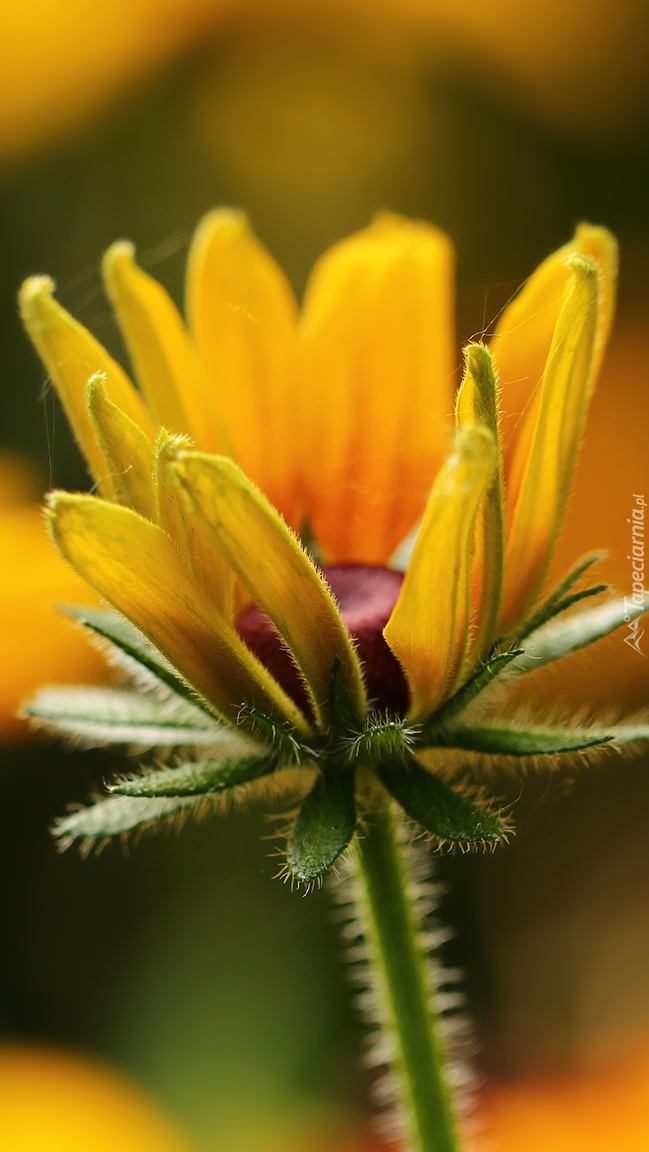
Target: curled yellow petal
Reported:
point(135, 566)
point(376, 387)
point(429, 627)
point(546, 471)
point(191, 534)
point(522, 340)
point(165, 362)
point(126, 450)
point(277, 573)
point(477, 403)
point(242, 315)
point(71, 356)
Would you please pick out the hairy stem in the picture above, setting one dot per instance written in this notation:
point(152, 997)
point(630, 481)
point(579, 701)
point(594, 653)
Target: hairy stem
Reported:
point(397, 954)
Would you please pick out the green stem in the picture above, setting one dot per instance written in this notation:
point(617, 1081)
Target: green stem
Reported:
point(398, 955)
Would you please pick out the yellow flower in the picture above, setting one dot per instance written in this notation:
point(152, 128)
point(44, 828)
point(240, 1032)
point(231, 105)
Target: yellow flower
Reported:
point(593, 1111)
point(61, 1101)
point(38, 644)
point(260, 424)
point(61, 64)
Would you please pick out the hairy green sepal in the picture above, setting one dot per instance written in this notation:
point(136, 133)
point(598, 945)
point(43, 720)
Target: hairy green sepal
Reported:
point(495, 741)
point(138, 656)
point(438, 808)
point(195, 779)
point(97, 716)
point(562, 598)
point(323, 827)
point(115, 816)
point(557, 639)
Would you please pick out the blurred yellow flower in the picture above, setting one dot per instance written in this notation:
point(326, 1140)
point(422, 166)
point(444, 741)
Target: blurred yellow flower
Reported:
point(60, 62)
point(57, 1101)
point(38, 644)
point(592, 1112)
point(580, 64)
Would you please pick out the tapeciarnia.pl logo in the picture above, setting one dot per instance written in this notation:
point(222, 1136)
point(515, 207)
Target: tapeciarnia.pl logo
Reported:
point(636, 520)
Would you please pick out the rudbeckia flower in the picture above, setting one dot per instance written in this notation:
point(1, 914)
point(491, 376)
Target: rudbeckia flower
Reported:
point(37, 643)
point(261, 493)
point(53, 1099)
point(591, 1111)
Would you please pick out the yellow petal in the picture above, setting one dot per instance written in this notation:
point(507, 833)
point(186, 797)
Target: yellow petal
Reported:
point(558, 426)
point(135, 566)
point(522, 339)
point(126, 450)
point(477, 404)
point(376, 388)
point(165, 362)
point(71, 356)
point(242, 314)
point(429, 627)
point(190, 533)
point(278, 574)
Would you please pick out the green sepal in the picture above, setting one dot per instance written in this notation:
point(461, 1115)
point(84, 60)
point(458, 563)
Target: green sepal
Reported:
point(194, 779)
point(576, 598)
point(323, 827)
point(380, 740)
point(142, 659)
point(559, 600)
point(457, 703)
point(344, 718)
point(560, 638)
point(114, 816)
point(438, 808)
point(97, 716)
point(288, 749)
point(496, 741)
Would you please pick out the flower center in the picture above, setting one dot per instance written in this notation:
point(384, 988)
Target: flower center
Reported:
point(365, 597)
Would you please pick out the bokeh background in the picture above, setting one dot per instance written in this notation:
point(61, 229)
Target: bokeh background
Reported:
point(184, 963)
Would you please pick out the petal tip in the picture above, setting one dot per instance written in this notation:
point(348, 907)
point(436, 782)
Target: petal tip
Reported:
point(35, 292)
point(228, 222)
point(583, 266)
point(96, 384)
point(121, 252)
point(478, 359)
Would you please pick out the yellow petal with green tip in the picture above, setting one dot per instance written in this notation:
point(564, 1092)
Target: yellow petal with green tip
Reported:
point(477, 404)
point(547, 467)
point(71, 356)
point(191, 534)
point(429, 627)
point(524, 333)
point(135, 566)
point(165, 362)
point(277, 573)
point(126, 450)
point(242, 315)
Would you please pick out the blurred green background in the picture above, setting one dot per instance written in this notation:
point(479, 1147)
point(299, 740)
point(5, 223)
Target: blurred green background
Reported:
point(184, 960)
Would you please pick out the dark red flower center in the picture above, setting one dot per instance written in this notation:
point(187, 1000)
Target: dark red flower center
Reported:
point(365, 597)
